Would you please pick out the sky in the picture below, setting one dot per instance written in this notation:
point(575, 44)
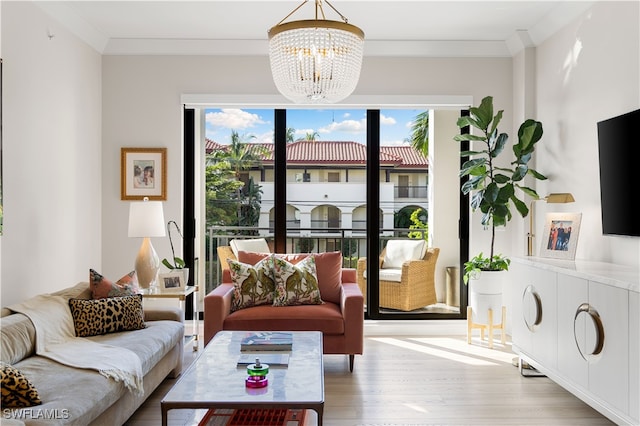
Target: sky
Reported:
point(330, 124)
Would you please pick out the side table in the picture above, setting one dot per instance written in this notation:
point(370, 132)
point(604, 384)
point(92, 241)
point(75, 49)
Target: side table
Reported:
point(182, 296)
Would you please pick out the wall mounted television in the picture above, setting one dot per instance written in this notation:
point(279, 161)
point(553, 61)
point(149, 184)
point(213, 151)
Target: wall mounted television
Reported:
point(619, 151)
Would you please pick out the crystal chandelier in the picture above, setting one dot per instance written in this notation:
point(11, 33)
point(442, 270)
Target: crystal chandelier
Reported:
point(316, 60)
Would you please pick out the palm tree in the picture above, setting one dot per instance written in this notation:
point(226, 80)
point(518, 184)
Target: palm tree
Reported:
point(420, 133)
point(312, 136)
point(240, 156)
point(251, 206)
point(291, 133)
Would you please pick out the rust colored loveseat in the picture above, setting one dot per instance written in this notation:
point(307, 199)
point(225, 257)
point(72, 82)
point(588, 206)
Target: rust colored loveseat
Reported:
point(340, 318)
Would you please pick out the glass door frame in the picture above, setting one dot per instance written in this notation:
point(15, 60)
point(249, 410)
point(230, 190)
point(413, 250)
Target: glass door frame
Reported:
point(373, 196)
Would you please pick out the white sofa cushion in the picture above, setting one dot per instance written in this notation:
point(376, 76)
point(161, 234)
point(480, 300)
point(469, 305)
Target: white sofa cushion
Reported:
point(399, 251)
point(256, 245)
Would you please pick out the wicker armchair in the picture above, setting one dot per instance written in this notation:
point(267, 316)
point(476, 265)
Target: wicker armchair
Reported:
point(415, 290)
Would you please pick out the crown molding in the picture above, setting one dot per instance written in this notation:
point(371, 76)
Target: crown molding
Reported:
point(564, 13)
point(395, 48)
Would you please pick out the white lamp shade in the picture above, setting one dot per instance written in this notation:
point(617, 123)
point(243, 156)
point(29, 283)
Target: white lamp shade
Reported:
point(146, 219)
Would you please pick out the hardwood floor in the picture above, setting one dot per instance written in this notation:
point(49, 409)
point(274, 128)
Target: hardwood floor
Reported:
point(421, 380)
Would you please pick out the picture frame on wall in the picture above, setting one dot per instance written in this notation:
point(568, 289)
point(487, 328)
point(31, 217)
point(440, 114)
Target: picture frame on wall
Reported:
point(143, 173)
point(560, 237)
point(171, 282)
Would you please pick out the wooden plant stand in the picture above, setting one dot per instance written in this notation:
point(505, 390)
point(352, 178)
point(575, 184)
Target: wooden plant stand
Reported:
point(489, 327)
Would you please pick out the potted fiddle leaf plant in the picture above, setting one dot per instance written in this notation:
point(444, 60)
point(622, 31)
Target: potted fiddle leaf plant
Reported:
point(176, 263)
point(494, 187)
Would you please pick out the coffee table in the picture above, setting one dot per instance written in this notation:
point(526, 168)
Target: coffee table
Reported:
point(214, 380)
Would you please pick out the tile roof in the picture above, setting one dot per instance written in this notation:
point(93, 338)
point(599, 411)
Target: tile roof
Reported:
point(335, 152)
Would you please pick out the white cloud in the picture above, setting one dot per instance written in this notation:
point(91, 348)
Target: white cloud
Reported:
point(303, 132)
point(235, 119)
point(347, 126)
point(388, 121)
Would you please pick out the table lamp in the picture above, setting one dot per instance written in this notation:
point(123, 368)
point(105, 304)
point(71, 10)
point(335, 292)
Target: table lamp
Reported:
point(560, 197)
point(146, 220)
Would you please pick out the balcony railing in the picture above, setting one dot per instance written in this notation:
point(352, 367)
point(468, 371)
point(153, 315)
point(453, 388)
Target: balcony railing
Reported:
point(410, 192)
point(309, 239)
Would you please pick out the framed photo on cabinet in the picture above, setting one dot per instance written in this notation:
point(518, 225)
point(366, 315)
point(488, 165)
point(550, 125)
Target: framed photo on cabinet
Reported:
point(560, 237)
point(143, 173)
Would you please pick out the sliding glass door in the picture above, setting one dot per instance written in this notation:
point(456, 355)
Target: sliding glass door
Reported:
point(314, 180)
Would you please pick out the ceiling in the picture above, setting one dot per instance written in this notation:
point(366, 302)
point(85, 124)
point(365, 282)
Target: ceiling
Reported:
point(239, 27)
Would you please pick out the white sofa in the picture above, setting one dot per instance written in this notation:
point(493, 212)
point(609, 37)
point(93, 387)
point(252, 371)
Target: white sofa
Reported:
point(72, 396)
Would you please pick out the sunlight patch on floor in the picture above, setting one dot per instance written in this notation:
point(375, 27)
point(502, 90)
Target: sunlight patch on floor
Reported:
point(445, 352)
point(463, 347)
point(417, 408)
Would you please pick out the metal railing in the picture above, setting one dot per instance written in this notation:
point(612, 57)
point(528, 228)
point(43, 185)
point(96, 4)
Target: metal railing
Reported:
point(410, 192)
point(300, 240)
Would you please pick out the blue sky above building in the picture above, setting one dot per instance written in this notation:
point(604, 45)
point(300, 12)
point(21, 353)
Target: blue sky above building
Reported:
point(330, 124)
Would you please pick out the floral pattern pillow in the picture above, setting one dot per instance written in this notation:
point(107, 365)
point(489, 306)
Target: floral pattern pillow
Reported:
point(296, 284)
point(252, 285)
point(102, 287)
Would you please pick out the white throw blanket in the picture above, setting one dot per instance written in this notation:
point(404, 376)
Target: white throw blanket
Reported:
point(56, 339)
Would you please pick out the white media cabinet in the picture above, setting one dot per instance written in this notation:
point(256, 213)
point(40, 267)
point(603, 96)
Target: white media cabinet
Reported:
point(578, 323)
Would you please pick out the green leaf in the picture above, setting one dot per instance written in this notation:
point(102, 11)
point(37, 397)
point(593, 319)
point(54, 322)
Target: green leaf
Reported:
point(472, 185)
point(486, 219)
point(519, 173)
point(500, 178)
point(530, 192)
point(496, 121)
point(470, 153)
point(537, 175)
point(520, 206)
point(529, 133)
point(468, 121)
point(476, 199)
point(506, 192)
point(166, 263)
point(491, 193)
point(501, 141)
point(468, 137)
point(483, 113)
point(476, 167)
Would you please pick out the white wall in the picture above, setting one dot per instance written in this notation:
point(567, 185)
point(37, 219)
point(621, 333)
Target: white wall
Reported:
point(52, 164)
point(589, 71)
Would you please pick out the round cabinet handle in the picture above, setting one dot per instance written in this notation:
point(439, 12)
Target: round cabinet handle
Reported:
point(530, 296)
point(593, 314)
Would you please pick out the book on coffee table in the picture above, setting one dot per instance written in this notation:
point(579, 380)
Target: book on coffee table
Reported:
point(271, 359)
point(267, 341)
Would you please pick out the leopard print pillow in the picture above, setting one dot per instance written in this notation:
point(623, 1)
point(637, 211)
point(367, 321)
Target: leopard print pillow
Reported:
point(17, 390)
point(110, 315)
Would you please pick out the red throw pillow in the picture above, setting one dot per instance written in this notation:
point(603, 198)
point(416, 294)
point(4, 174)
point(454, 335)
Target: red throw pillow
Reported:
point(328, 268)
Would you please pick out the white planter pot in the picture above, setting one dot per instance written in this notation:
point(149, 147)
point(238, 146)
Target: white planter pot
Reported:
point(485, 292)
point(185, 271)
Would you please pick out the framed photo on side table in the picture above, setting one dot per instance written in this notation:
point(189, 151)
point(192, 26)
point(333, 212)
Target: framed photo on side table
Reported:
point(560, 236)
point(143, 173)
point(171, 282)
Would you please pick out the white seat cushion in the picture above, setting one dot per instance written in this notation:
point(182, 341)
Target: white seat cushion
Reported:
point(399, 251)
point(388, 275)
point(256, 245)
